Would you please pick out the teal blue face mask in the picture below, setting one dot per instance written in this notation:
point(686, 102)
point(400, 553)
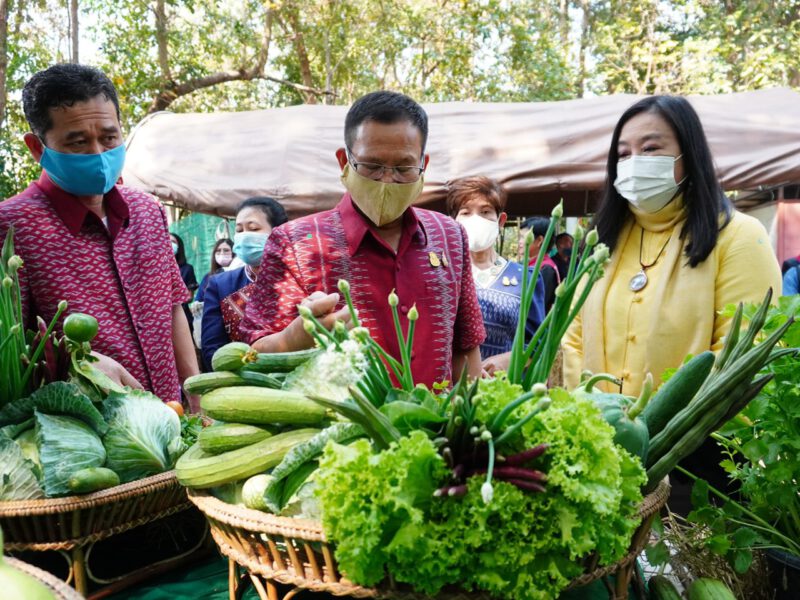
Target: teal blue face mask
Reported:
point(84, 174)
point(249, 246)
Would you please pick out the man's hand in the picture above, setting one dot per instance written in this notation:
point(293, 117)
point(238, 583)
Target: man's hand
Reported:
point(498, 362)
point(294, 337)
point(115, 371)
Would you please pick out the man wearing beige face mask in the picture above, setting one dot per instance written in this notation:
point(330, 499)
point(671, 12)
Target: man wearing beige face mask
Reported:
point(378, 242)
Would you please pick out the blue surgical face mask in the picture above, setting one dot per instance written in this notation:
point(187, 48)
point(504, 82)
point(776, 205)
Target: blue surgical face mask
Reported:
point(249, 246)
point(174, 248)
point(84, 174)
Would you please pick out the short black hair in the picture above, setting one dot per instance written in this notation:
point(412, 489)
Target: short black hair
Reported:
point(538, 225)
point(385, 107)
point(562, 235)
point(63, 85)
point(272, 209)
point(707, 207)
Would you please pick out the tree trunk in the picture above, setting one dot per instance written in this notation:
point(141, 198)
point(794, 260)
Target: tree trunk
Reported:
point(3, 57)
point(162, 41)
point(74, 29)
point(302, 57)
point(581, 83)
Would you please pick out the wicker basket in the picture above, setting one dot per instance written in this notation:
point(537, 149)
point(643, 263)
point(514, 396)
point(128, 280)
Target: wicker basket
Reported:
point(74, 523)
point(60, 590)
point(295, 552)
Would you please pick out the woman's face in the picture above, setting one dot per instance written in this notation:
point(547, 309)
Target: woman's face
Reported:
point(252, 219)
point(223, 254)
point(481, 206)
point(648, 134)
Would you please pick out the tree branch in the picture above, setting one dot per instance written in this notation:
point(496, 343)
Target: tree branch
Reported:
point(162, 40)
point(3, 57)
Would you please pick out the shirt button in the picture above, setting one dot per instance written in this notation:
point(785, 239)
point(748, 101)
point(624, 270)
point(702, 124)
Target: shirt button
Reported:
point(403, 309)
point(626, 374)
point(637, 298)
point(631, 337)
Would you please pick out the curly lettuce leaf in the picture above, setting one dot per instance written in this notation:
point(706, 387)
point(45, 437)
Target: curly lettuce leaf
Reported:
point(367, 499)
point(66, 445)
point(144, 435)
point(17, 479)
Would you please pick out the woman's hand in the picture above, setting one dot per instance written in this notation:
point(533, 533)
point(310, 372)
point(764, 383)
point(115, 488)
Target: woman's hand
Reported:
point(115, 371)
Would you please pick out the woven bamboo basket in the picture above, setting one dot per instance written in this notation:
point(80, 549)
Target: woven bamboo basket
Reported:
point(294, 552)
point(73, 523)
point(60, 590)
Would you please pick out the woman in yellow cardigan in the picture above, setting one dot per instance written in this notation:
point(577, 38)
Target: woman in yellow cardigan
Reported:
point(679, 251)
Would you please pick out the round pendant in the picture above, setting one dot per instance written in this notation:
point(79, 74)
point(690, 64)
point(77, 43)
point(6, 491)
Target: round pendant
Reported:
point(638, 281)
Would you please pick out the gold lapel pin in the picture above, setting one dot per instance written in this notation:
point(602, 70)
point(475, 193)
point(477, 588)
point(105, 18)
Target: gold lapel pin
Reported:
point(435, 262)
point(444, 260)
point(506, 281)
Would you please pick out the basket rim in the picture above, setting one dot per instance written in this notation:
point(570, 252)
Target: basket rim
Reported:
point(56, 585)
point(45, 506)
point(264, 522)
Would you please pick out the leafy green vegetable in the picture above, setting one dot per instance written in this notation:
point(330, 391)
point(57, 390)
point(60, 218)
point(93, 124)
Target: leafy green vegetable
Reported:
point(66, 445)
point(367, 499)
point(17, 481)
point(521, 546)
point(57, 398)
point(30, 450)
point(141, 435)
point(329, 374)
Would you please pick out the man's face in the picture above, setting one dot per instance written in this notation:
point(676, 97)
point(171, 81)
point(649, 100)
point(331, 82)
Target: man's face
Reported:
point(89, 127)
point(564, 246)
point(391, 145)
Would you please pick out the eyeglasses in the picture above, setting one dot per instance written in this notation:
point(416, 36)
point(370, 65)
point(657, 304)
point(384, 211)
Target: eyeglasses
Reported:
point(400, 174)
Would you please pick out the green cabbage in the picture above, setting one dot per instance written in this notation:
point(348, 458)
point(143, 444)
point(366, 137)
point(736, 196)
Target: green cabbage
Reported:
point(57, 398)
point(143, 436)
point(66, 445)
point(17, 481)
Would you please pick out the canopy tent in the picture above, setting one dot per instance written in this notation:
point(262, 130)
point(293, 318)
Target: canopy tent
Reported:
point(542, 151)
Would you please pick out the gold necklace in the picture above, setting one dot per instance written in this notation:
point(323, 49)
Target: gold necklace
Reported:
point(639, 281)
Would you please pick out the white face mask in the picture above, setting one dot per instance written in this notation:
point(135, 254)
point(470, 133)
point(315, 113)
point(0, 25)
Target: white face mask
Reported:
point(647, 182)
point(481, 233)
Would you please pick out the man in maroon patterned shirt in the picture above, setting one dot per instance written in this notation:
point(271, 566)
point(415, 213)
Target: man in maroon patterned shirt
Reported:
point(103, 248)
point(375, 240)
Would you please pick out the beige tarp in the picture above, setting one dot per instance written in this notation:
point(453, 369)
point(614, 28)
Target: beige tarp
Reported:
point(542, 151)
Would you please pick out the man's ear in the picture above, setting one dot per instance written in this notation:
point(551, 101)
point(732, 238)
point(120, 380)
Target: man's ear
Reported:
point(501, 220)
point(341, 157)
point(34, 145)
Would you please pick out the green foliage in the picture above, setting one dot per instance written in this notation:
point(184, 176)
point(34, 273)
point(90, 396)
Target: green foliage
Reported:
point(762, 446)
point(380, 509)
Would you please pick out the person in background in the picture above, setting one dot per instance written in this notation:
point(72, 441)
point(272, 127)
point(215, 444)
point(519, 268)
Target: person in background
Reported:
point(563, 252)
point(791, 280)
point(102, 247)
point(548, 270)
point(221, 257)
point(679, 254)
point(187, 273)
point(375, 239)
point(478, 204)
point(227, 293)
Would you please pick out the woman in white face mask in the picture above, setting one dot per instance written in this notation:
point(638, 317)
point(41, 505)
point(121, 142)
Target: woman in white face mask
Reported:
point(477, 203)
point(679, 252)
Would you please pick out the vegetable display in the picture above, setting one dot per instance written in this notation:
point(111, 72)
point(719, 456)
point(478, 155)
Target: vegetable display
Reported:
point(500, 484)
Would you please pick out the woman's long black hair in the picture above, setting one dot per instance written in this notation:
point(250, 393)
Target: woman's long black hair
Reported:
point(702, 194)
point(180, 256)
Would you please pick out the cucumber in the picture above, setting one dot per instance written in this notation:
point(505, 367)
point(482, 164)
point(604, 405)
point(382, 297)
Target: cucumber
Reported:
point(677, 392)
point(261, 406)
point(661, 588)
point(709, 589)
point(225, 437)
point(281, 362)
point(206, 382)
point(253, 491)
point(92, 479)
point(196, 469)
point(232, 356)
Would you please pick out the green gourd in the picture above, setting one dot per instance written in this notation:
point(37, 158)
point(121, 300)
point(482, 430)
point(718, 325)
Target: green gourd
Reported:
point(16, 584)
point(709, 589)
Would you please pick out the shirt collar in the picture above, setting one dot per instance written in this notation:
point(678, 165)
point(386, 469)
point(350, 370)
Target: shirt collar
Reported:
point(356, 226)
point(73, 213)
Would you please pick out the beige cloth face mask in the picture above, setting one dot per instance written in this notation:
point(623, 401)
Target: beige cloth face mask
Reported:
point(381, 202)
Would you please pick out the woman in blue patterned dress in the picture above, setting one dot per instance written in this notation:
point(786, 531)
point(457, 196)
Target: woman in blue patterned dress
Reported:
point(478, 204)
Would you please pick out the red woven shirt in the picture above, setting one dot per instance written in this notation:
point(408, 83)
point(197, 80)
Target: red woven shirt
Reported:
point(430, 269)
point(125, 276)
